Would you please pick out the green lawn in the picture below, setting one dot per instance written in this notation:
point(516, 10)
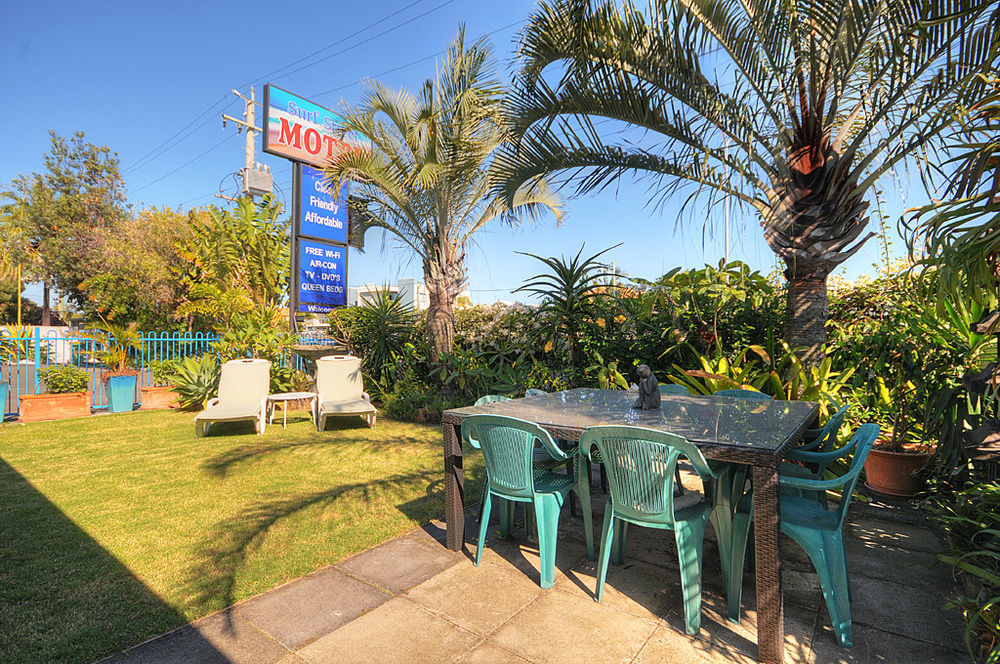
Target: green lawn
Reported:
point(116, 528)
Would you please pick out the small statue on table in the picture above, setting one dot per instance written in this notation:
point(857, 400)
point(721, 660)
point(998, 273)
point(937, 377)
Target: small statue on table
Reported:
point(649, 390)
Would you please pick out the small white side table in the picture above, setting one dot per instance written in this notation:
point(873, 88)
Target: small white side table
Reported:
point(285, 397)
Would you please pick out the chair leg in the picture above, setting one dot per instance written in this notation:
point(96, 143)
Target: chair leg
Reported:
point(607, 540)
point(506, 516)
point(483, 524)
point(621, 537)
point(547, 508)
point(572, 498)
point(483, 495)
point(582, 489)
point(827, 554)
point(690, 537)
point(738, 549)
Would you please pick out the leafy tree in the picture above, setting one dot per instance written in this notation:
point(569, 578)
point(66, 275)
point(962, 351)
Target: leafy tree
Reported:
point(428, 172)
point(811, 103)
point(62, 210)
point(234, 262)
point(138, 281)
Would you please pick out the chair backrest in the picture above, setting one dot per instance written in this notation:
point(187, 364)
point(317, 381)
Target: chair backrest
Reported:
point(490, 398)
point(534, 392)
point(245, 381)
point(862, 442)
point(826, 440)
point(743, 394)
point(669, 388)
point(640, 464)
point(338, 378)
point(507, 444)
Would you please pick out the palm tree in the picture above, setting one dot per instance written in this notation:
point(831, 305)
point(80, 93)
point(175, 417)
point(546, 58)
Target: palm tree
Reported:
point(428, 176)
point(810, 103)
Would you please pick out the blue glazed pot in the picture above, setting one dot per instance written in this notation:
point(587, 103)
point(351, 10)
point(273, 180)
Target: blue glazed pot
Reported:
point(121, 393)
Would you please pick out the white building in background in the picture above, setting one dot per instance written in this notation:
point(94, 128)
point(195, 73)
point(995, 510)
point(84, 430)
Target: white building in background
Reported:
point(412, 293)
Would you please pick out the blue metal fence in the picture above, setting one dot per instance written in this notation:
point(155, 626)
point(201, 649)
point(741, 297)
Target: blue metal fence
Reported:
point(22, 356)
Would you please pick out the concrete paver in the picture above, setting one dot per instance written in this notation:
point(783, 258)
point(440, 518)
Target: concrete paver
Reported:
point(411, 600)
point(304, 610)
point(564, 628)
point(222, 638)
point(397, 632)
point(400, 563)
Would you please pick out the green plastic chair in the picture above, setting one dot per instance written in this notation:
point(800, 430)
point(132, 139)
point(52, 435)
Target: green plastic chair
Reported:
point(507, 444)
point(803, 461)
point(641, 464)
point(743, 394)
point(825, 439)
point(818, 529)
point(674, 389)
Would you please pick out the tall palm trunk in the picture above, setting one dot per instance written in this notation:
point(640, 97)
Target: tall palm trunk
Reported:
point(806, 313)
point(46, 308)
point(444, 273)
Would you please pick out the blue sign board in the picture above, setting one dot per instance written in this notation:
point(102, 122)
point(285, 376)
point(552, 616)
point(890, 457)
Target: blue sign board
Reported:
point(322, 276)
point(323, 212)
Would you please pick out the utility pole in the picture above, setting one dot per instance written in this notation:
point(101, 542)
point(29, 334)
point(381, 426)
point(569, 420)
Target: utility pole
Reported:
point(256, 179)
point(727, 205)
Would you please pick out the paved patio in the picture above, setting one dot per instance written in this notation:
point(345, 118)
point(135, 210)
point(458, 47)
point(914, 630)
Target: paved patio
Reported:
point(412, 600)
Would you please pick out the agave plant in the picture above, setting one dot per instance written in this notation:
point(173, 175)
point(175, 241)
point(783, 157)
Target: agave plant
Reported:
point(810, 104)
point(196, 380)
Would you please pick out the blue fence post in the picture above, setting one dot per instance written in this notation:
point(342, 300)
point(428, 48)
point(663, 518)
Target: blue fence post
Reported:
point(38, 357)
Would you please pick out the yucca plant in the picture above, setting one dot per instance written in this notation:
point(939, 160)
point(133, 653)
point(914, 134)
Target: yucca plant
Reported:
point(570, 292)
point(794, 108)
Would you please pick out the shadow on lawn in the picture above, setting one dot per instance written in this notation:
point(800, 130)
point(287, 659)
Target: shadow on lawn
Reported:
point(220, 464)
point(63, 597)
point(233, 539)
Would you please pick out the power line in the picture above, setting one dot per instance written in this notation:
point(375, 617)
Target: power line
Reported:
point(415, 62)
point(331, 45)
point(372, 38)
point(189, 161)
point(139, 163)
point(163, 147)
point(348, 85)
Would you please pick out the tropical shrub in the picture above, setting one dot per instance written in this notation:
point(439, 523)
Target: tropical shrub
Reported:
point(971, 519)
point(196, 380)
point(162, 371)
point(64, 378)
point(415, 401)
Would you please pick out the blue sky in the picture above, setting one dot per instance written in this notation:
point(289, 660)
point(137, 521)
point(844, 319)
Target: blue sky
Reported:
point(151, 80)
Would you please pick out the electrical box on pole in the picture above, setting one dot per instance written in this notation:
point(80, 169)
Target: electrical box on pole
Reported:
point(255, 179)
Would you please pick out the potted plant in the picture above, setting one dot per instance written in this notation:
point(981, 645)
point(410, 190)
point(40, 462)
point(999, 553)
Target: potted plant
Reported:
point(66, 395)
point(893, 463)
point(162, 393)
point(119, 376)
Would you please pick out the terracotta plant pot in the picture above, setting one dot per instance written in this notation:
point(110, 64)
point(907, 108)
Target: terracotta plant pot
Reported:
point(158, 397)
point(40, 407)
point(892, 473)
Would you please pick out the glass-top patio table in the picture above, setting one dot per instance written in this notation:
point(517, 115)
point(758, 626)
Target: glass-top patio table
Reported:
point(751, 432)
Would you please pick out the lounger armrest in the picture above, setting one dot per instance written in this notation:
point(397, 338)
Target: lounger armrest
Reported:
point(211, 402)
point(367, 397)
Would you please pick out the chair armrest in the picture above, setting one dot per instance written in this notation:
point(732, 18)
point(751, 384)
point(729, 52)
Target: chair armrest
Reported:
point(367, 397)
point(211, 402)
point(806, 456)
point(813, 485)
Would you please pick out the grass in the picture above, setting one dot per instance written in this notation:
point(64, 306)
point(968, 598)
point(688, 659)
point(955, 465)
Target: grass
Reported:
point(116, 528)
